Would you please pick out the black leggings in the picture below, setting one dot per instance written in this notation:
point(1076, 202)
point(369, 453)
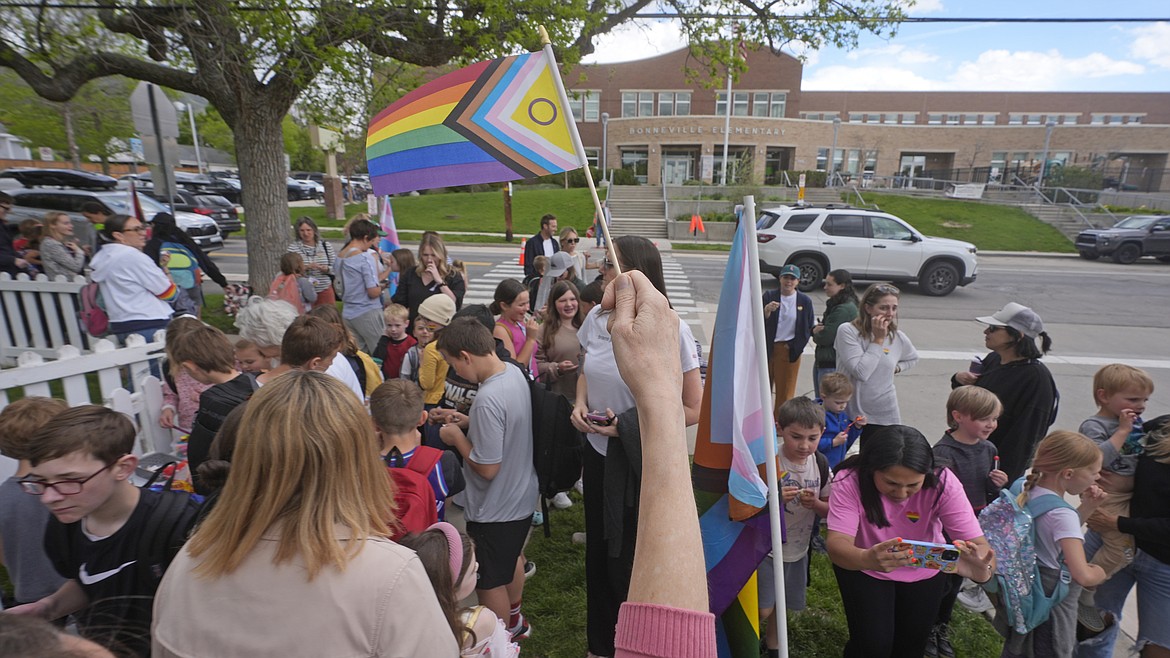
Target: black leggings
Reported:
point(888, 619)
point(607, 579)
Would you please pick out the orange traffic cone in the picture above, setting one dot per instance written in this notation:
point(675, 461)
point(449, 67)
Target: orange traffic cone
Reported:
point(523, 243)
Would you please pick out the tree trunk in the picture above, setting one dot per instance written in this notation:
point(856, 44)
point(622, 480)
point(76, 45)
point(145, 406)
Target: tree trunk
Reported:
point(70, 138)
point(260, 154)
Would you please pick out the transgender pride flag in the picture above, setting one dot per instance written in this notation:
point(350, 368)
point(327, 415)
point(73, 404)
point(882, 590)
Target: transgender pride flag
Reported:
point(734, 433)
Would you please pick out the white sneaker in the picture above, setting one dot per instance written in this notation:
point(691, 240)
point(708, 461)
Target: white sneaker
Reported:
point(975, 600)
point(580, 487)
point(561, 501)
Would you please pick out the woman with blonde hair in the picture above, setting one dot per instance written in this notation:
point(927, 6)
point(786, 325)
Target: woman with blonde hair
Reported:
point(296, 559)
point(60, 253)
point(870, 351)
point(432, 276)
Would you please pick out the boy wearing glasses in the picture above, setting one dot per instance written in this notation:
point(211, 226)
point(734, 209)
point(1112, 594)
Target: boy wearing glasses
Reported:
point(111, 540)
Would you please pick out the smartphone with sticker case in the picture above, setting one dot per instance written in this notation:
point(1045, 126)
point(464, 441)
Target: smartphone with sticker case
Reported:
point(939, 557)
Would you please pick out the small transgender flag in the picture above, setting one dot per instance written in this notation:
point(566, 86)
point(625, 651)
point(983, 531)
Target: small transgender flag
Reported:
point(386, 221)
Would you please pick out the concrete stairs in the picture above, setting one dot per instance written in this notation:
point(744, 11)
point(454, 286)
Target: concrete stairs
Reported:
point(1062, 218)
point(637, 210)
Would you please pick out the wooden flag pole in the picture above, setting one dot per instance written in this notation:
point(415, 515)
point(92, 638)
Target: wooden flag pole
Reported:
point(576, 136)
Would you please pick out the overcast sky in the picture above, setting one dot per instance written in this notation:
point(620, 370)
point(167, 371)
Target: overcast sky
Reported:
point(974, 56)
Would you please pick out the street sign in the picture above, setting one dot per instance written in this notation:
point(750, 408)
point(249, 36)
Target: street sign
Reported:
point(167, 123)
point(136, 148)
point(46, 153)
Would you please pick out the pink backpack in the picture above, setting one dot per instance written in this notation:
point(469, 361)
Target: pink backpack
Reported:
point(284, 288)
point(93, 317)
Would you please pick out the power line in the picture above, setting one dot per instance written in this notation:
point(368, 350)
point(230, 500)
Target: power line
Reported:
point(646, 15)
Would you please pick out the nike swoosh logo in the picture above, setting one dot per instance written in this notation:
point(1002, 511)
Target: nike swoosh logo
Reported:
point(87, 579)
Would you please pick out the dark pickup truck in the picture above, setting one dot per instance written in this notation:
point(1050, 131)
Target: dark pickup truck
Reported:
point(1128, 240)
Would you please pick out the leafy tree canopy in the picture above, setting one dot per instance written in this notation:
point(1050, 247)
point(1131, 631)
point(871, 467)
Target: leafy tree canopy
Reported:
point(252, 60)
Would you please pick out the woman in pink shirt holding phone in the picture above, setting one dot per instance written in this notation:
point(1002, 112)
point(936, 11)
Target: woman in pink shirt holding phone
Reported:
point(890, 493)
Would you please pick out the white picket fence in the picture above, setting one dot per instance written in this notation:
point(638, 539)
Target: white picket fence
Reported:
point(39, 315)
point(111, 364)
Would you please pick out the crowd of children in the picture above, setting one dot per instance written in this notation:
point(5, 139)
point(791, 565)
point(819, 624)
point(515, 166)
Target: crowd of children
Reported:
point(447, 393)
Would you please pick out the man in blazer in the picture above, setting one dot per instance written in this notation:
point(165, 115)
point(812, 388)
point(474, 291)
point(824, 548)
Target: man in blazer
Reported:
point(788, 324)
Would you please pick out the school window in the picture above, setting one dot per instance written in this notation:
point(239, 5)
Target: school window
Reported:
point(769, 104)
point(629, 104)
point(1116, 119)
point(1015, 119)
point(592, 102)
point(856, 117)
point(988, 119)
point(593, 155)
point(645, 103)
point(970, 119)
point(892, 117)
point(953, 119)
point(873, 118)
point(1067, 119)
point(822, 159)
point(666, 103)
point(934, 119)
point(1097, 120)
point(760, 104)
point(636, 161)
point(1135, 118)
point(909, 117)
point(739, 103)
point(584, 105)
point(682, 103)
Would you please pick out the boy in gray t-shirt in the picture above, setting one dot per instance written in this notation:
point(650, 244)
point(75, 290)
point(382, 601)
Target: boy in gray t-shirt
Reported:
point(501, 488)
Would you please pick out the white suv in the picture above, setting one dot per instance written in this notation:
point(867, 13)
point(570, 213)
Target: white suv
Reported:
point(872, 245)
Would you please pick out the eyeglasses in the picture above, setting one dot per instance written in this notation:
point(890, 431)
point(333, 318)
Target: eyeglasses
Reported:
point(992, 328)
point(572, 240)
point(63, 487)
point(431, 327)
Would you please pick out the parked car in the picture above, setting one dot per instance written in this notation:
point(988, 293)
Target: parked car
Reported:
point(300, 190)
point(871, 244)
point(194, 183)
point(33, 177)
point(34, 202)
point(1128, 240)
point(219, 209)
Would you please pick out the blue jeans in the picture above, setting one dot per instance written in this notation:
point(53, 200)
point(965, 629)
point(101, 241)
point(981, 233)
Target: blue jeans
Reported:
point(1152, 578)
point(817, 374)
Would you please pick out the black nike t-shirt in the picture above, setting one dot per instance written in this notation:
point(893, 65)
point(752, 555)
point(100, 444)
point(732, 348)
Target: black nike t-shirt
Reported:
point(118, 573)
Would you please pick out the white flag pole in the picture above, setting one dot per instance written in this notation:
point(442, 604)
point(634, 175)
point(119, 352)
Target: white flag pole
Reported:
point(727, 116)
point(580, 149)
point(752, 271)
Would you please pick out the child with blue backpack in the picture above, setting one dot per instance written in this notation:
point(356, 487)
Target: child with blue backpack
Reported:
point(1065, 463)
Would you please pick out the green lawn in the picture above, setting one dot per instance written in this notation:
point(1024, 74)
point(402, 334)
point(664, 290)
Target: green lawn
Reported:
point(989, 227)
point(554, 601)
point(478, 211)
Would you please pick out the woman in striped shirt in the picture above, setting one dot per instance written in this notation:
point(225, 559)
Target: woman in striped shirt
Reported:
point(318, 256)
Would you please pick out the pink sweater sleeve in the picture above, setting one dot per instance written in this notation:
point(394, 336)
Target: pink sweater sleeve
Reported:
point(645, 630)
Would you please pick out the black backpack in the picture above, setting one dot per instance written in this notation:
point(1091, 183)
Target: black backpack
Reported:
point(556, 445)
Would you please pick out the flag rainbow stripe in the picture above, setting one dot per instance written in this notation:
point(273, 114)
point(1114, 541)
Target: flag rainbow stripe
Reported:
point(493, 121)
